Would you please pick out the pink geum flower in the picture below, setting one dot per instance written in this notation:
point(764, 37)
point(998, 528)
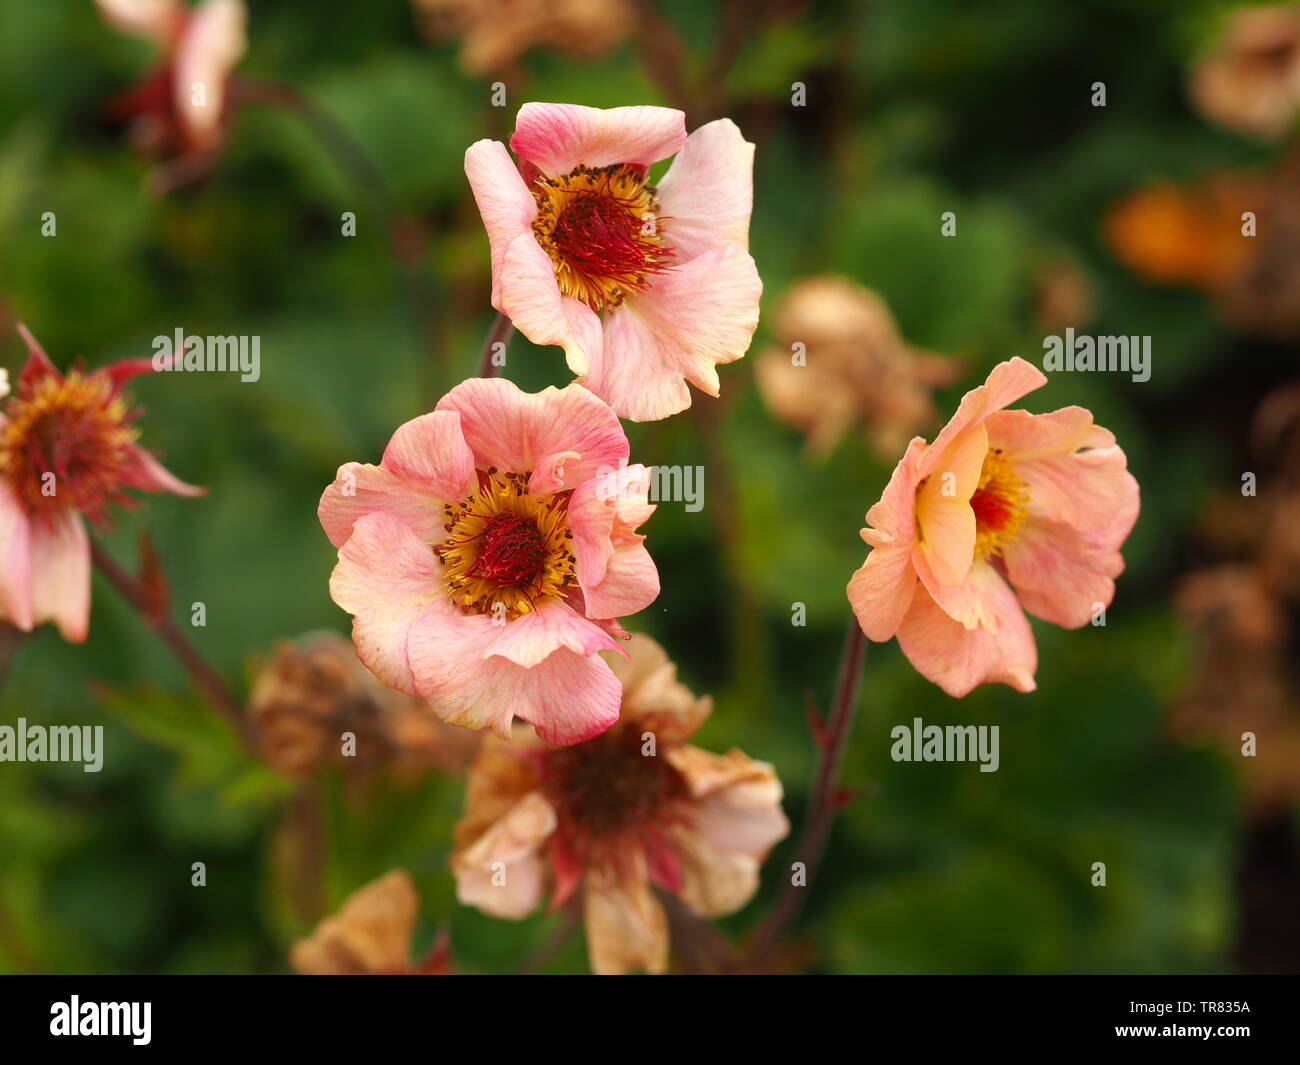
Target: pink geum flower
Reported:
point(604, 823)
point(1043, 501)
point(182, 106)
point(67, 451)
point(486, 559)
point(645, 288)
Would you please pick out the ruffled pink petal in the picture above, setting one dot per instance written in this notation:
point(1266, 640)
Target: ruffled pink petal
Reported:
point(528, 640)
point(211, 45)
point(387, 579)
point(604, 513)
point(693, 317)
point(156, 20)
point(60, 567)
point(630, 585)
point(1000, 649)
point(359, 489)
point(426, 464)
point(503, 872)
point(529, 295)
point(707, 195)
point(145, 472)
point(548, 474)
point(15, 560)
point(567, 697)
point(1006, 383)
point(557, 137)
point(506, 205)
point(515, 430)
point(1060, 573)
point(431, 451)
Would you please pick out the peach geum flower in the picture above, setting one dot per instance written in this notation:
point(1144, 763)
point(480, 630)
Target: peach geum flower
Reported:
point(608, 820)
point(1043, 501)
point(67, 450)
point(486, 559)
point(182, 106)
point(644, 287)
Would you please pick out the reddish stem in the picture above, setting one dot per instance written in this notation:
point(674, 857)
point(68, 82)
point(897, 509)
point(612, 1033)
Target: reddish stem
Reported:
point(822, 805)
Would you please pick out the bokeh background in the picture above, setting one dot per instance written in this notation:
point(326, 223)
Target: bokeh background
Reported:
point(1122, 219)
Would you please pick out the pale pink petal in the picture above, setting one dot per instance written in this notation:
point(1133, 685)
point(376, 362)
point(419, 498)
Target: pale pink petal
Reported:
point(60, 561)
point(692, 317)
point(617, 574)
point(566, 697)
point(1000, 649)
point(430, 451)
point(425, 465)
point(211, 45)
point(502, 872)
point(707, 195)
point(548, 474)
point(145, 472)
point(446, 652)
point(944, 517)
point(359, 489)
point(1060, 573)
point(626, 927)
point(157, 20)
point(557, 137)
point(387, 578)
point(15, 560)
point(514, 430)
point(504, 202)
point(630, 585)
point(569, 698)
point(529, 295)
point(530, 638)
point(1006, 383)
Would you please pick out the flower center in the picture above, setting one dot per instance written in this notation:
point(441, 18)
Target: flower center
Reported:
point(66, 443)
point(1000, 503)
point(506, 551)
point(610, 797)
point(600, 229)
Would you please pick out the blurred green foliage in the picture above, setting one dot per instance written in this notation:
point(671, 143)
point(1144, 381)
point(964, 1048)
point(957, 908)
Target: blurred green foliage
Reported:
point(914, 108)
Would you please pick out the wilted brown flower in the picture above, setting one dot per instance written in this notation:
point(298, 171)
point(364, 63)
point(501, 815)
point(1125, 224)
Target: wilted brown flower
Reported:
point(1244, 677)
point(315, 689)
point(370, 934)
point(853, 368)
point(1251, 80)
point(606, 821)
point(495, 34)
